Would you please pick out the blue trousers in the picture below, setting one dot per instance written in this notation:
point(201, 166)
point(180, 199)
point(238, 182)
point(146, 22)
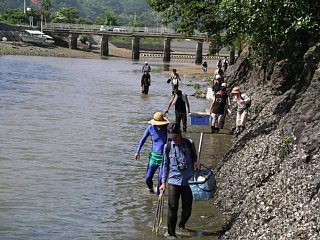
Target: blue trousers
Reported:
point(151, 170)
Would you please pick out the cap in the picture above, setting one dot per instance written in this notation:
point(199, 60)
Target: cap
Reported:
point(173, 128)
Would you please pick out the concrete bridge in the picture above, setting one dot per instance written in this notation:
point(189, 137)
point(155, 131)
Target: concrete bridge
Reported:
point(72, 31)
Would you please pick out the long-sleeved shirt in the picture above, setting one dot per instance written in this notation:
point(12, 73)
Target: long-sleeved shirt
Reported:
point(158, 137)
point(178, 154)
point(245, 98)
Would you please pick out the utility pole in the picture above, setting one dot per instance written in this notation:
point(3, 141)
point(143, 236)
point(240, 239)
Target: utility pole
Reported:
point(24, 7)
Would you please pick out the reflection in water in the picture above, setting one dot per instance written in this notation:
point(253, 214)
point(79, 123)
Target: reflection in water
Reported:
point(68, 132)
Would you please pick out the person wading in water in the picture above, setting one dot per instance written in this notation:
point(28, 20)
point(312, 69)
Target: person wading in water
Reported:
point(145, 82)
point(174, 79)
point(182, 107)
point(158, 132)
point(179, 164)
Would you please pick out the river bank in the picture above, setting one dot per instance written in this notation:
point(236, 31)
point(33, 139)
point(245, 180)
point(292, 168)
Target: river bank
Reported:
point(20, 48)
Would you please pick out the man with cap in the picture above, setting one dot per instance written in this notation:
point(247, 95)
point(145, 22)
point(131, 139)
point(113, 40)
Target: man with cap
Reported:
point(158, 132)
point(243, 103)
point(179, 164)
point(219, 108)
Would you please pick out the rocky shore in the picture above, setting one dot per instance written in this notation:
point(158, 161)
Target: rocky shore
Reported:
point(269, 180)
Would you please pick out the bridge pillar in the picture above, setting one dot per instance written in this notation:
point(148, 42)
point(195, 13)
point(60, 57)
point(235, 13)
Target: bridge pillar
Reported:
point(135, 48)
point(104, 48)
point(73, 41)
point(198, 59)
point(166, 50)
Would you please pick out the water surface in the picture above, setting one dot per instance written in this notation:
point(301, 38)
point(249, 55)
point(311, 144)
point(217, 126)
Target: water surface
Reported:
point(68, 132)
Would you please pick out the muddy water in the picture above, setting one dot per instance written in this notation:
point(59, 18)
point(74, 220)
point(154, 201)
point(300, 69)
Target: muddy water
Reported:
point(68, 132)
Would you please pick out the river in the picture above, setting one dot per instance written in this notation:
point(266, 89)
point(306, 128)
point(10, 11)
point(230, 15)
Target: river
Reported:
point(68, 131)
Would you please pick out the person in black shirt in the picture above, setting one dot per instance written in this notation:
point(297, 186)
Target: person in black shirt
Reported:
point(219, 108)
point(145, 82)
point(182, 107)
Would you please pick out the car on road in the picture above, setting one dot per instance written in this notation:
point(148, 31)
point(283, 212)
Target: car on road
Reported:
point(119, 30)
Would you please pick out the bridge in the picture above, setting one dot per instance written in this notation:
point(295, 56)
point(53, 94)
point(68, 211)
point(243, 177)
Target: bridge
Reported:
point(73, 31)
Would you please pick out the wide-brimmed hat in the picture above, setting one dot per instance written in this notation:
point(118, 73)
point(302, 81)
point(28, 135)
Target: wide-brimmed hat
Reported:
point(158, 119)
point(235, 90)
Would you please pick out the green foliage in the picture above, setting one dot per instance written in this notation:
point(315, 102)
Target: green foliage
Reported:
point(15, 16)
point(120, 12)
point(66, 15)
point(194, 85)
point(107, 18)
point(273, 29)
point(135, 24)
point(286, 146)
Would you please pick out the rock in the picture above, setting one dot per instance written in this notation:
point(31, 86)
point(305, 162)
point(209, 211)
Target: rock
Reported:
point(269, 180)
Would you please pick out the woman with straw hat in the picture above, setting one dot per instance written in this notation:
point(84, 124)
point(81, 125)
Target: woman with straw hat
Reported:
point(158, 132)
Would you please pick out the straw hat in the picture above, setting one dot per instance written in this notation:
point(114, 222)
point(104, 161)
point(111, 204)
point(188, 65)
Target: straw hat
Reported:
point(158, 119)
point(235, 90)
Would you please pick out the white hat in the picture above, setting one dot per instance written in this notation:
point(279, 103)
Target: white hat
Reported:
point(218, 76)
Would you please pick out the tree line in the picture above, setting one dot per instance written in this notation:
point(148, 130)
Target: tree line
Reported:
point(102, 12)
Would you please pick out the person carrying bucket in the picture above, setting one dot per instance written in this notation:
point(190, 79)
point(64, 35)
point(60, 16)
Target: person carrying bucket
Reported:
point(158, 132)
point(179, 164)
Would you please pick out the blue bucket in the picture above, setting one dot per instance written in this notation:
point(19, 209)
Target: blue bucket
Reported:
point(204, 187)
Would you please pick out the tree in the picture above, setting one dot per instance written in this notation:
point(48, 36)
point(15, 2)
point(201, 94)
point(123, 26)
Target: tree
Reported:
point(45, 6)
point(271, 28)
point(66, 15)
point(15, 16)
point(107, 18)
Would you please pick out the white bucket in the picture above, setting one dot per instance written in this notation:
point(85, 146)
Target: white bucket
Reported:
point(209, 93)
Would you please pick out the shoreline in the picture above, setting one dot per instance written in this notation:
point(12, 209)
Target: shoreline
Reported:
point(24, 49)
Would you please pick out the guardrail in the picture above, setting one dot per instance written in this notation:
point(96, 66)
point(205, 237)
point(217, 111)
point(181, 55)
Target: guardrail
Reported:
point(86, 27)
point(114, 29)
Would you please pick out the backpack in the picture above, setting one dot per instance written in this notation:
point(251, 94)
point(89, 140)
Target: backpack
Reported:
point(168, 147)
point(248, 104)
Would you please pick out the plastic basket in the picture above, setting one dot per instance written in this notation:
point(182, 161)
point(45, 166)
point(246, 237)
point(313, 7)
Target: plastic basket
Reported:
point(205, 188)
point(199, 119)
